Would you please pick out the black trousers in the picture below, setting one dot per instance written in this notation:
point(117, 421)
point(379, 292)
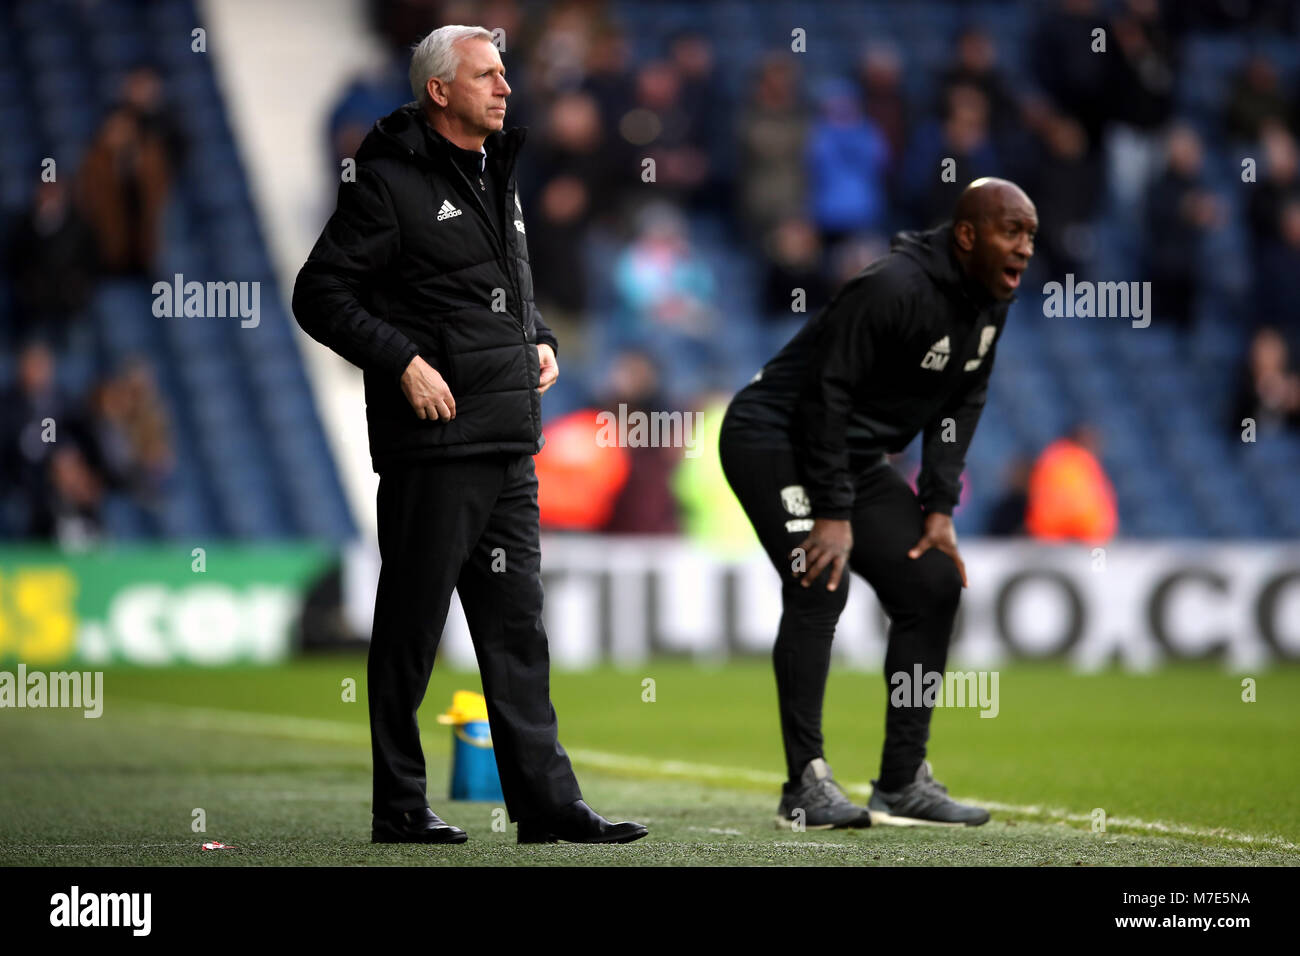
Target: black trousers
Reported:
point(469, 524)
point(920, 596)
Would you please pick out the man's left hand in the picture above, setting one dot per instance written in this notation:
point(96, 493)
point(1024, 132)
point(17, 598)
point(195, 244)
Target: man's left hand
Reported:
point(940, 534)
point(550, 367)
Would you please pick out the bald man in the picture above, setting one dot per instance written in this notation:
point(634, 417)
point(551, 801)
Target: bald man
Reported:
point(906, 346)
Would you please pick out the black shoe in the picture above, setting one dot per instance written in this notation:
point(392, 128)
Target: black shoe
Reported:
point(416, 826)
point(818, 803)
point(923, 802)
point(578, 823)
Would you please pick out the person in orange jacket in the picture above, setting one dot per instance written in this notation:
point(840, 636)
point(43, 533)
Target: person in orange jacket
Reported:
point(1070, 496)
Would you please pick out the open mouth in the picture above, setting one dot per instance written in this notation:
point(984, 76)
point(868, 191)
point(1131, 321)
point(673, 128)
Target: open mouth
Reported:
point(1012, 274)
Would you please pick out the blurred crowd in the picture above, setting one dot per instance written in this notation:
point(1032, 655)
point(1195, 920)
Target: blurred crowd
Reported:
point(807, 178)
point(74, 459)
point(67, 462)
point(773, 181)
point(813, 181)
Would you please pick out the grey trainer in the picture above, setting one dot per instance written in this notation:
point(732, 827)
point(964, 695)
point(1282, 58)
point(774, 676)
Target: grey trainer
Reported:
point(818, 802)
point(923, 802)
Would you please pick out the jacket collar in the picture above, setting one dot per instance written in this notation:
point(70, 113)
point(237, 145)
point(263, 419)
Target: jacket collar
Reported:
point(442, 143)
point(402, 133)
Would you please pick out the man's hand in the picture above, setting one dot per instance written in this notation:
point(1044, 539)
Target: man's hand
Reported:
point(829, 543)
point(550, 367)
point(428, 394)
point(939, 534)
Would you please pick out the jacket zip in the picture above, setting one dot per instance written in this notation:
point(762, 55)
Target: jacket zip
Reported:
point(501, 240)
point(506, 261)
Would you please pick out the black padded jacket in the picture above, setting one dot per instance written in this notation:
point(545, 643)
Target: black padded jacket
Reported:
point(905, 346)
point(411, 263)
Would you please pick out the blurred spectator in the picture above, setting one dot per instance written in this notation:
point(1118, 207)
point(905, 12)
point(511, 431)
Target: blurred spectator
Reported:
point(645, 503)
point(847, 159)
point(1277, 280)
point(794, 261)
point(578, 475)
point(1070, 496)
point(1140, 101)
point(975, 64)
point(880, 83)
point(704, 98)
point(772, 130)
point(662, 127)
point(1269, 389)
point(1256, 99)
point(1067, 187)
point(575, 182)
point(51, 264)
point(1006, 518)
point(38, 419)
point(126, 175)
point(608, 76)
point(1270, 216)
point(691, 55)
point(665, 289)
point(144, 97)
point(1063, 62)
point(68, 510)
point(1180, 211)
point(962, 136)
point(34, 397)
point(61, 459)
point(1279, 181)
point(575, 39)
point(132, 435)
point(1141, 92)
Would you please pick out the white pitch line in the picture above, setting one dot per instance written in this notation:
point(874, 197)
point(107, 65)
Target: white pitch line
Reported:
point(237, 721)
point(197, 718)
point(694, 771)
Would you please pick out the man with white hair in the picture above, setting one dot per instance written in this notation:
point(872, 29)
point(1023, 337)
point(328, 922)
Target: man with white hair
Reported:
point(421, 278)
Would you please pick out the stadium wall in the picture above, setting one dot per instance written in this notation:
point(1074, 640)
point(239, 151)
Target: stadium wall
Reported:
point(626, 601)
point(629, 600)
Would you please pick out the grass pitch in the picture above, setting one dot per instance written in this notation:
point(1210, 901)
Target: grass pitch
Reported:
point(1186, 772)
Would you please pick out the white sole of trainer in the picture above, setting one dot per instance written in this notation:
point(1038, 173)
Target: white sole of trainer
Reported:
point(881, 818)
point(783, 824)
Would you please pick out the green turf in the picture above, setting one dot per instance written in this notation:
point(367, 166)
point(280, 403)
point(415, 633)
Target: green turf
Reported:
point(281, 766)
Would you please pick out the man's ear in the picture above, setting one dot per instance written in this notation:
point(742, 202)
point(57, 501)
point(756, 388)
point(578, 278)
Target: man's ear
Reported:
point(437, 90)
point(963, 231)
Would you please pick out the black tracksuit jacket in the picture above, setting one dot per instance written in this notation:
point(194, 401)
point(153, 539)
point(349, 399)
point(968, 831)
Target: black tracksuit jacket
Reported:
point(906, 344)
point(410, 263)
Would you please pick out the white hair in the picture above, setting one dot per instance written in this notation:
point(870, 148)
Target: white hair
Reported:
point(436, 55)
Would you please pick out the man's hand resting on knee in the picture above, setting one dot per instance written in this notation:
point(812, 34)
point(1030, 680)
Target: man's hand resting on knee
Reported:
point(940, 534)
point(828, 544)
